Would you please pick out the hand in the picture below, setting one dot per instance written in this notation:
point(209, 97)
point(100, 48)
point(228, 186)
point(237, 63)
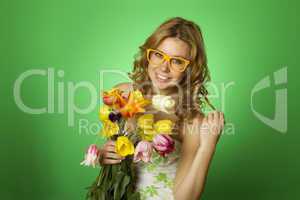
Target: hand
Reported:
point(211, 128)
point(109, 155)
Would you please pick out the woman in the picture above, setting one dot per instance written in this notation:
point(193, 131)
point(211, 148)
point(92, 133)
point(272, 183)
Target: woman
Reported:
point(173, 62)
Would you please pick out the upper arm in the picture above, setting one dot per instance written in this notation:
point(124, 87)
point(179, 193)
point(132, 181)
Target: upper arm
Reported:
point(190, 145)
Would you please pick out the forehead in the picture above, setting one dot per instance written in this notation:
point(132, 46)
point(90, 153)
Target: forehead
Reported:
point(174, 47)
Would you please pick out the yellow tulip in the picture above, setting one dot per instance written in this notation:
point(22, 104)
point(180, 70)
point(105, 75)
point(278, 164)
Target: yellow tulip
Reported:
point(109, 128)
point(124, 146)
point(146, 121)
point(147, 134)
point(104, 113)
point(163, 126)
point(138, 96)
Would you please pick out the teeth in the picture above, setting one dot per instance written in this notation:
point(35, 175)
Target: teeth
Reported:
point(162, 77)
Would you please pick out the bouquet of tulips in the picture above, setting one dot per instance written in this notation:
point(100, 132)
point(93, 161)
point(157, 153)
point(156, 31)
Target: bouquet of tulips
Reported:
point(136, 144)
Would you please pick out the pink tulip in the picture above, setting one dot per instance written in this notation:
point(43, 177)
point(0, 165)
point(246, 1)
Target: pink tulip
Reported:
point(143, 151)
point(163, 144)
point(91, 157)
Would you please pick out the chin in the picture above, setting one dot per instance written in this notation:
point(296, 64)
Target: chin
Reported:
point(162, 85)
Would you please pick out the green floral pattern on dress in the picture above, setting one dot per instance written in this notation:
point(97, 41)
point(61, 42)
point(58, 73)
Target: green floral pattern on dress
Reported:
point(156, 177)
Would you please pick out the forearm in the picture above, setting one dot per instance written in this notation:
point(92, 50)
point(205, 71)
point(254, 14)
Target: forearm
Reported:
point(193, 183)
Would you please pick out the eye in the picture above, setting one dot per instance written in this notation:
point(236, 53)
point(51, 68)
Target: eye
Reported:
point(177, 61)
point(158, 55)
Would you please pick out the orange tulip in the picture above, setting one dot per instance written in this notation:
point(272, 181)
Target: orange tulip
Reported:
point(135, 104)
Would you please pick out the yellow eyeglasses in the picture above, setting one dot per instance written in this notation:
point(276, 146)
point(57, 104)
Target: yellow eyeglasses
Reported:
point(157, 57)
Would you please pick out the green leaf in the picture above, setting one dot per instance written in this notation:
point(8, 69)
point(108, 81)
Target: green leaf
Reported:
point(119, 177)
point(115, 182)
point(135, 196)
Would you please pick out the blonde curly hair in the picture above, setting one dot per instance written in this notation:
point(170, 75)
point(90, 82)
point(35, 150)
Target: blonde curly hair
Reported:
point(195, 76)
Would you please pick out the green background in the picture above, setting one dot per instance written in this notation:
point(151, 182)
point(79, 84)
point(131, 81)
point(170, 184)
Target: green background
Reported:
point(245, 41)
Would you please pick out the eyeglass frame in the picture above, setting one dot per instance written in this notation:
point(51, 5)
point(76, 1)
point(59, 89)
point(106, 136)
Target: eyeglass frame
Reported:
point(167, 58)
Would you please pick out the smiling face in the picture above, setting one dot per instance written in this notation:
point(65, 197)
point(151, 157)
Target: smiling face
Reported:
point(163, 77)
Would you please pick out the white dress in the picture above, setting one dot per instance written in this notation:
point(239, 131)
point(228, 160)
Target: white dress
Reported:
point(155, 179)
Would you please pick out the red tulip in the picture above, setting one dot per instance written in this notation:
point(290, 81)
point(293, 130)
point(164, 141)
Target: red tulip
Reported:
point(163, 144)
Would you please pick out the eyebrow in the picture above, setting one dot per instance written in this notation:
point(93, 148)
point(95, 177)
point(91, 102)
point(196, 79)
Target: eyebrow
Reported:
point(172, 56)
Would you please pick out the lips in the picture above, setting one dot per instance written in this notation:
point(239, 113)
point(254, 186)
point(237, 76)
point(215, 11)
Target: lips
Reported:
point(162, 78)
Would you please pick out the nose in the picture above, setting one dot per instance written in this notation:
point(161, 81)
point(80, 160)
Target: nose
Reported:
point(165, 66)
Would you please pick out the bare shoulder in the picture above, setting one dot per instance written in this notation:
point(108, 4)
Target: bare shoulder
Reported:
point(126, 86)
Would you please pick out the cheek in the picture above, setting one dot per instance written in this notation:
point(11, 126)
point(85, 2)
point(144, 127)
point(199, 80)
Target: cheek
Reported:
point(177, 75)
point(151, 69)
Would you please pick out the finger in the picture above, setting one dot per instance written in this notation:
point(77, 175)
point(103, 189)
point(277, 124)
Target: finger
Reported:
point(203, 125)
point(110, 161)
point(214, 128)
point(110, 146)
point(209, 117)
point(113, 155)
point(224, 121)
point(217, 116)
point(110, 143)
point(110, 149)
point(222, 117)
point(204, 120)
